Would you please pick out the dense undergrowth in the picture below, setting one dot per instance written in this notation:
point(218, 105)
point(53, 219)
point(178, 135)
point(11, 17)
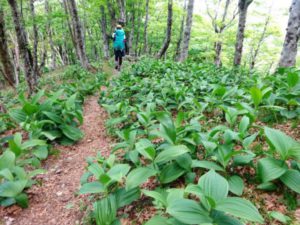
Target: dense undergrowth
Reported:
point(51, 115)
point(192, 139)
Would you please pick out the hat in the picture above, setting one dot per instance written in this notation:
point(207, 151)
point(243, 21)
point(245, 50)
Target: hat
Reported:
point(119, 26)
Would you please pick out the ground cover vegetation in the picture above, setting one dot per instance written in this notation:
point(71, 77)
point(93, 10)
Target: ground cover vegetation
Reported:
point(47, 117)
point(197, 133)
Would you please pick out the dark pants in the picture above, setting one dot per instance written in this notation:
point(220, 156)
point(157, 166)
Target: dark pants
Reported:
point(119, 56)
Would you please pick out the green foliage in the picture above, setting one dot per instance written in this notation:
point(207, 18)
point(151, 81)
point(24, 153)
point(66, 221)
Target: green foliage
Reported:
point(175, 123)
point(13, 159)
point(46, 117)
point(54, 117)
point(106, 211)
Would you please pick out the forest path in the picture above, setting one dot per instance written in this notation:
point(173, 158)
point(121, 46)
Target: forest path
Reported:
point(55, 202)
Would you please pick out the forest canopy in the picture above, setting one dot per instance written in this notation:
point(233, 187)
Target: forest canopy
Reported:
point(51, 35)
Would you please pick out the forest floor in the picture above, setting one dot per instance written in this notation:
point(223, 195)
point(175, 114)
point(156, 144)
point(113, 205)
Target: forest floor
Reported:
point(54, 201)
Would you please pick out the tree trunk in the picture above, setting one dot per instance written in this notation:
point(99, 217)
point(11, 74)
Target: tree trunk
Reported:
point(8, 71)
point(131, 35)
point(137, 37)
point(43, 55)
point(167, 41)
point(49, 32)
point(187, 31)
point(260, 42)
point(219, 26)
point(112, 13)
point(35, 39)
point(16, 57)
point(104, 33)
point(243, 10)
point(146, 28)
point(218, 51)
point(181, 32)
point(65, 6)
point(122, 7)
point(290, 47)
point(24, 47)
point(93, 43)
point(79, 42)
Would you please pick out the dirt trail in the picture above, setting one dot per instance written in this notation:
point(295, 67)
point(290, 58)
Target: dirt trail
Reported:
point(55, 201)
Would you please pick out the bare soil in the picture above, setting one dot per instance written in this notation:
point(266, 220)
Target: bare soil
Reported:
point(54, 201)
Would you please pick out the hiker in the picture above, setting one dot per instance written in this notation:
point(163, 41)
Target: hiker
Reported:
point(119, 46)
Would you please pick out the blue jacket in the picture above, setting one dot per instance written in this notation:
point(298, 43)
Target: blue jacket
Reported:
point(119, 37)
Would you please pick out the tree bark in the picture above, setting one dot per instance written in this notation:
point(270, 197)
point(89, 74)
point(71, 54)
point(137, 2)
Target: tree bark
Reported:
point(49, 32)
point(187, 31)
point(65, 6)
point(112, 13)
point(104, 33)
point(24, 48)
point(35, 39)
point(218, 51)
point(8, 71)
point(219, 26)
point(290, 46)
point(16, 57)
point(131, 34)
point(43, 56)
point(146, 28)
point(181, 32)
point(122, 7)
point(78, 34)
point(137, 37)
point(167, 41)
point(243, 10)
point(219, 44)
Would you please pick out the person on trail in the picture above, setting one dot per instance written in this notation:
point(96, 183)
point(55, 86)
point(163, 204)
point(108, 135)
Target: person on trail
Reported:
point(119, 38)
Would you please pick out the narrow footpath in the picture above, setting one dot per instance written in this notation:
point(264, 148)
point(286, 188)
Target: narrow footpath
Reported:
point(54, 201)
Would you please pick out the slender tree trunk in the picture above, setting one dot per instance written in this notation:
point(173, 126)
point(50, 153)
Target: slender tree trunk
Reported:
point(243, 10)
point(65, 6)
point(49, 32)
point(43, 56)
point(137, 37)
point(8, 71)
point(218, 51)
point(78, 34)
point(131, 35)
point(84, 24)
point(112, 13)
point(35, 39)
point(167, 41)
point(24, 47)
point(104, 33)
point(219, 29)
point(181, 32)
point(92, 41)
point(146, 28)
point(187, 31)
point(290, 47)
point(16, 57)
point(260, 42)
point(122, 7)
